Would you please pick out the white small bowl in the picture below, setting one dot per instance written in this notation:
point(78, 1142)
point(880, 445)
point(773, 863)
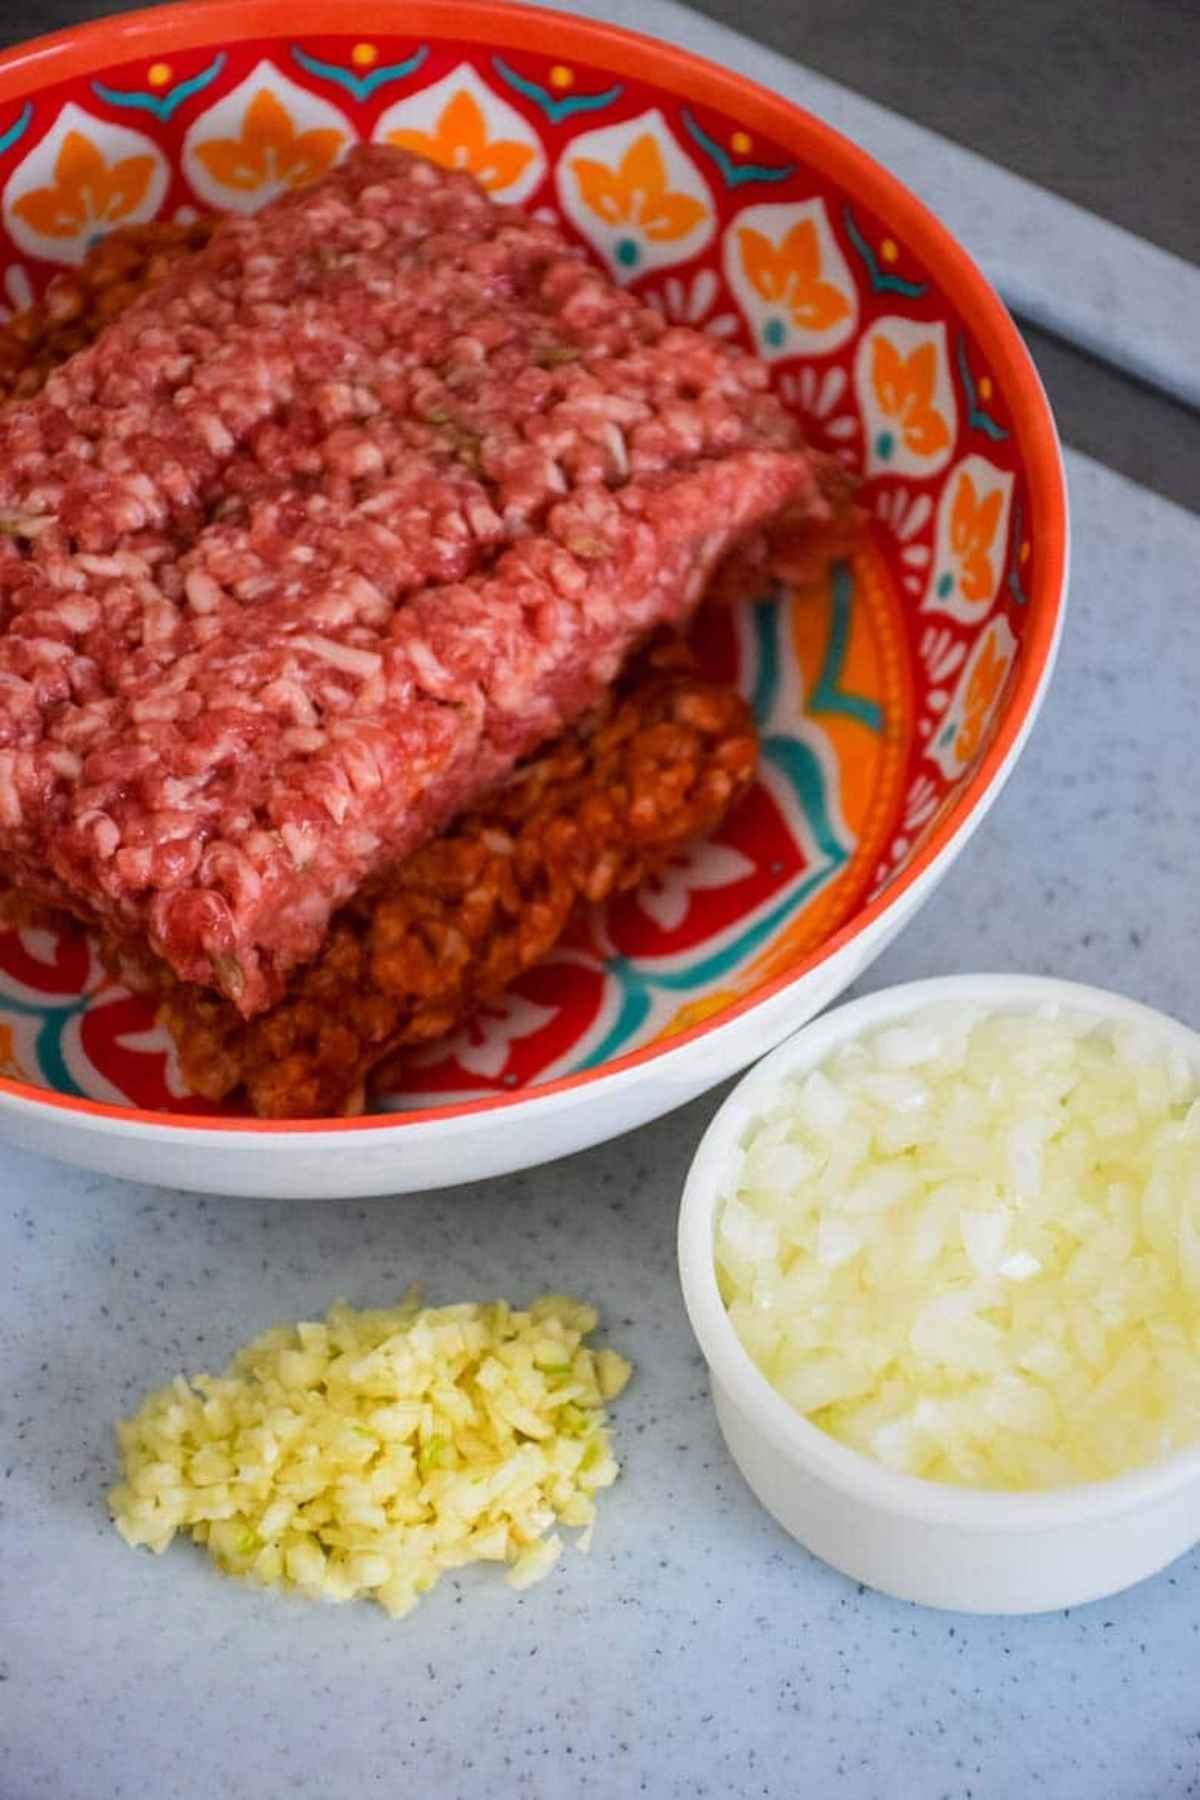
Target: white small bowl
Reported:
point(965, 1549)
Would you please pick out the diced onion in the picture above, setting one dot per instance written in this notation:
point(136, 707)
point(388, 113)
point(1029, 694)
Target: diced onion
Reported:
point(969, 1247)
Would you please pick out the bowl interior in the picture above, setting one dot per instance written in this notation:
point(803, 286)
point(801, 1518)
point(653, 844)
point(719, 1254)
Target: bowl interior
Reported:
point(884, 694)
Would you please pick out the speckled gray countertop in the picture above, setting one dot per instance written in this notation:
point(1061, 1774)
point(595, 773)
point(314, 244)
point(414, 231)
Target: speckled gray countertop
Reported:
point(697, 1651)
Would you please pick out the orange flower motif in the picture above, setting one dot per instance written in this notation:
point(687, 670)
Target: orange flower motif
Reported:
point(986, 680)
point(87, 191)
point(637, 193)
point(904, 388)
point(269, 150)
point(791, 275)
point(972, 528)
point(461, 142)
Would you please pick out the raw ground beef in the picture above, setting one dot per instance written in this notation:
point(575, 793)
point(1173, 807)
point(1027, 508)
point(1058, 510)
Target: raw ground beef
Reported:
point(662, 761)
point(79, 303)
point(370, 497)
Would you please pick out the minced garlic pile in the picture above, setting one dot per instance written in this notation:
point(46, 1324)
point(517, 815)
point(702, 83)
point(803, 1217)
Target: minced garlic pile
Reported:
point(367, 1454)
point(969, 1246)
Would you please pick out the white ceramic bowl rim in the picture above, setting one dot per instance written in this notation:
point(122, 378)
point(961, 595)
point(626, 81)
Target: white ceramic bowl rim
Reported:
point(791, 1434)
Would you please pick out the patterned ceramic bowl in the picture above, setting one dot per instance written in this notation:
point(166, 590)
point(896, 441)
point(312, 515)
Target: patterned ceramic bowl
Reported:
point(892, 702)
